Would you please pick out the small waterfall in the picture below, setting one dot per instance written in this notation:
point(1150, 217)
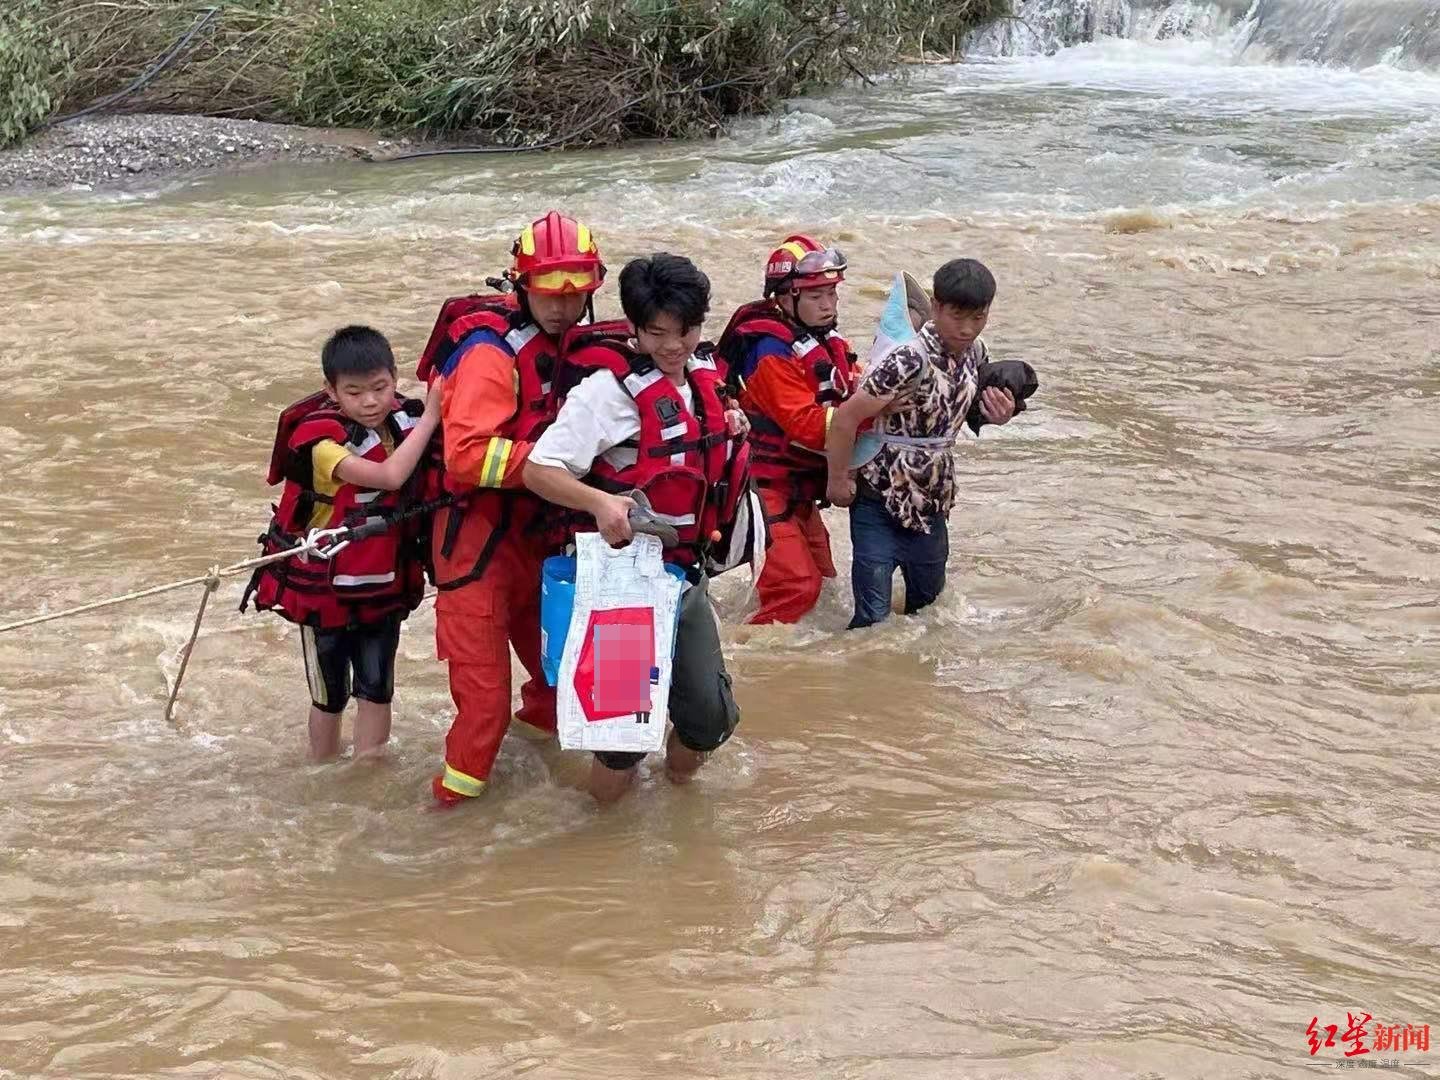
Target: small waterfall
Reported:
point(1342, 33)
point(1350, 33)
point(1045, 26)
point(1186, 20)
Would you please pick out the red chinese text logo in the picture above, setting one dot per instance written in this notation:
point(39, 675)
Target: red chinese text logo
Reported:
point(1391, 1037)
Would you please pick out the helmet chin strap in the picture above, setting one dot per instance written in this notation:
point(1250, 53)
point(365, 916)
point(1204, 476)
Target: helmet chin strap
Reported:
point(818, 331)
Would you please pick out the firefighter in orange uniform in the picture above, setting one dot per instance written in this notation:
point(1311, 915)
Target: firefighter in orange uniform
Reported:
point(792, 369)
point(498, 354)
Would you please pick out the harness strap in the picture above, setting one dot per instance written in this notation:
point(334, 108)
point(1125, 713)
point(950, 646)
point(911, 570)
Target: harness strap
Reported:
point(482, 561)
point(607, 484)
point(452, 527)
point(792, 504)
point(288, 575)
point(935, 442)
point(685, 446)
point(764, 425)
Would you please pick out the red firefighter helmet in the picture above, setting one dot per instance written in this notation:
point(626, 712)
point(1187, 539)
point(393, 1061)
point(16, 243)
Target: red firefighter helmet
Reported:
point(556, 254)
point(801, 263)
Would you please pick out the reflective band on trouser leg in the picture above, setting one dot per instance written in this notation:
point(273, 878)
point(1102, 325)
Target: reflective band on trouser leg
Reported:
point(314, 675)
point(461, 783)
point(480, 687)
point(497, 456)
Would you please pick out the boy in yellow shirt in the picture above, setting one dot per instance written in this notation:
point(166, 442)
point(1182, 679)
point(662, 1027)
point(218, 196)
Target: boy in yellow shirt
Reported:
point(347, 456)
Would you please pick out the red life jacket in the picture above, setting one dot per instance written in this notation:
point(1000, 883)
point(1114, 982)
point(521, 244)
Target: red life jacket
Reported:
point(828, 365)
point(467, 533)
point(685, 461)
point(535, 361)
point(369, 578)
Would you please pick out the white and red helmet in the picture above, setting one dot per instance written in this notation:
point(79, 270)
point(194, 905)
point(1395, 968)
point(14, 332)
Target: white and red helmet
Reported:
point(800, 263)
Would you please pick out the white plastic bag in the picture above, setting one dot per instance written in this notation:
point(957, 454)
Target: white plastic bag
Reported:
point(613, 692)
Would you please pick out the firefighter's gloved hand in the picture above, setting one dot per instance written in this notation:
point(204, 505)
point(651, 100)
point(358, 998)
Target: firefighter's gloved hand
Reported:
point(643, 520)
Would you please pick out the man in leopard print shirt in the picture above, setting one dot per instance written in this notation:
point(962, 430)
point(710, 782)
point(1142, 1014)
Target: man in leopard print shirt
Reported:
point(920, 395)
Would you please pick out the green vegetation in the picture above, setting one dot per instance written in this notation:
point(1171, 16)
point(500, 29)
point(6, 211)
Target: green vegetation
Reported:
point(517, 72)
point(29, 65)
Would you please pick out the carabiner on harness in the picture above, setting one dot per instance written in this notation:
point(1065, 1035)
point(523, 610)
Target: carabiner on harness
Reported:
point(320, 542)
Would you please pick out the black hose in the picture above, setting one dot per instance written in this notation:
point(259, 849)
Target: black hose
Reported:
point(389, 521)
point(154, 70)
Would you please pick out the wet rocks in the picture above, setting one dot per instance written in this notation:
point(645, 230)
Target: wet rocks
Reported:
point(115, 151)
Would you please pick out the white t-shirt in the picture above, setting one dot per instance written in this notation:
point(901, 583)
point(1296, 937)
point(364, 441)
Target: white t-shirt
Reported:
point(598, 415)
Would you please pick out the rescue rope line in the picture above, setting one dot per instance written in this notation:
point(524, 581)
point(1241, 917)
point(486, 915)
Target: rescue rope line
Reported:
point(322, 542)
point(313, 542)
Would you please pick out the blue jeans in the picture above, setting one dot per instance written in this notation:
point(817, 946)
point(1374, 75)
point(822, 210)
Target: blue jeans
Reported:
point(879, 545)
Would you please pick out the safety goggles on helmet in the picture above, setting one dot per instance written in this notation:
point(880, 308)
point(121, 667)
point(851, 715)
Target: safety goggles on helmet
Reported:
point(561, 281)
point(814, 270)
point(556, 255)
point(816, 263)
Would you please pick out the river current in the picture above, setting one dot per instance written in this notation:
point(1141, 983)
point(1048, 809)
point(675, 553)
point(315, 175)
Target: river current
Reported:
point(1148, 790)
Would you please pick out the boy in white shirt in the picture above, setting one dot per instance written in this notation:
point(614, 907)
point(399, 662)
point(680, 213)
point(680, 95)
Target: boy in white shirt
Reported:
point(650, 416)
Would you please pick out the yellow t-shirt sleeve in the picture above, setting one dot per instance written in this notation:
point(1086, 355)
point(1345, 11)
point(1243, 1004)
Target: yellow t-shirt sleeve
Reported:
point(325, 455)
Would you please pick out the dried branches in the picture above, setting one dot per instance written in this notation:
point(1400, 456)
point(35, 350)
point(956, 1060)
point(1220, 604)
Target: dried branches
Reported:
point(514, 72)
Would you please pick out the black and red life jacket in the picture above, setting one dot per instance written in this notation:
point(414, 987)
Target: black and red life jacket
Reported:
point(369, 578)
point(685, 461)
point(828, 365)
point(512, 329)
point(468, 533)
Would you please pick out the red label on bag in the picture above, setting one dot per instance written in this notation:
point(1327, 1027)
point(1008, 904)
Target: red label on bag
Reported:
point(617, 664)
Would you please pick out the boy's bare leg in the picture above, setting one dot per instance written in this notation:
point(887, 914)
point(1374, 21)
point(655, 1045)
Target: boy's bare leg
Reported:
point(681, 763)
point(372, 728)
point(324, 734)
point(607, 785)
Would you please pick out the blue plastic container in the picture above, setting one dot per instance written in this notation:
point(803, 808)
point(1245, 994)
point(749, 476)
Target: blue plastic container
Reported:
point(557, 603)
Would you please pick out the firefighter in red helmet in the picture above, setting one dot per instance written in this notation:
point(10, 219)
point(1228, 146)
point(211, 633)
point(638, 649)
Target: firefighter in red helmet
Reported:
point(498, 356)
point(792, 369)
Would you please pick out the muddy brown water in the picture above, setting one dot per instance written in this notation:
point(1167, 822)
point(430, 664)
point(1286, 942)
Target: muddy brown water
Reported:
point(1151, 787)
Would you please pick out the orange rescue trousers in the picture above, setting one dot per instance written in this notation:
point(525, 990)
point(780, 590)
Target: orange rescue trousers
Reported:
point(475, 627)
point(797, 561)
